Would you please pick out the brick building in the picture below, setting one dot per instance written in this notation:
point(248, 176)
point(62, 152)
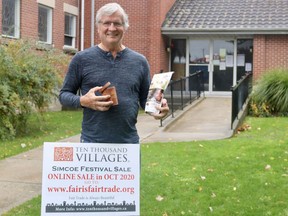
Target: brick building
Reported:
point(144, 33)
point(49, 22)
point(224, 39)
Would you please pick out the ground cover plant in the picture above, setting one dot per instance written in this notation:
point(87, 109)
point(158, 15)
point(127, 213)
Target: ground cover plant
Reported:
point(243, 175)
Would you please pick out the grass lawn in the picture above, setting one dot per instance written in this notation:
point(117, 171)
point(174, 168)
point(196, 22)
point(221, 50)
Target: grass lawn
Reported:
point(50, 127)
point(243, 175)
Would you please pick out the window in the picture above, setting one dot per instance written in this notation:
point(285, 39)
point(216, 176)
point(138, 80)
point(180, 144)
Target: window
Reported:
point(45, 24)
point(244, 57)
point(199, 52)
point(70, 30)
point(178, 60)
point(11, 18)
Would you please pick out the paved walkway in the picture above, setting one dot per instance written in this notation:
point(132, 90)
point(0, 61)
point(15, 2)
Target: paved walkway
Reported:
point(207, 119)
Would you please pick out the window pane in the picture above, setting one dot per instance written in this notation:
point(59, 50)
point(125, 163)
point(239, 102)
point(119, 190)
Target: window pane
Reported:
point(8, 17)
point(70, 26)
point(244, 56)
point(68, 41)
point(43, 24)
point(178, 58)
point(178, 51)
point(199, 59)
point(199, 52)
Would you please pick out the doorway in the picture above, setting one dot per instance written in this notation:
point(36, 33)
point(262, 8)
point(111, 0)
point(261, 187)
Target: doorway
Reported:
point(199, 59)
point(223, 61)
point(222, 65)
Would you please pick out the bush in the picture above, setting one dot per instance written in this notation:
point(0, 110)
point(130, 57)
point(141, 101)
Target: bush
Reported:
point(29, 80)
point(270, 96)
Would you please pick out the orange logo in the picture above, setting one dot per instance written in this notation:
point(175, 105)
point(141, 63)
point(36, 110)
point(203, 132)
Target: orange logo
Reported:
point(63, 154)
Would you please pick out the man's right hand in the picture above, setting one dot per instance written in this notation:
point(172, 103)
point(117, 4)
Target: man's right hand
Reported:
point(92, 101)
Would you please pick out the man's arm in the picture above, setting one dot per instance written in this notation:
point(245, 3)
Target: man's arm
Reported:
point(68, 94)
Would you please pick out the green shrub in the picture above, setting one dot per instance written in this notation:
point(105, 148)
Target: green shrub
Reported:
point(29, 80)
point(270, 96)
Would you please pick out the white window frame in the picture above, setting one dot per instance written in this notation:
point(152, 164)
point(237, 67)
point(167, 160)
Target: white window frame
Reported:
point(16, 21)
point(73, 31)
point(49, 24)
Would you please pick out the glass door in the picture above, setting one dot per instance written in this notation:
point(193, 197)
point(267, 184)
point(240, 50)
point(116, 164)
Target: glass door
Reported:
point(223, 65)
point(199, 59)
point(223, 61)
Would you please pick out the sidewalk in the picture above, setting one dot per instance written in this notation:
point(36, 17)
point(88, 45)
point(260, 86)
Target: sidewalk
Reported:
point(209, 119)
point(21, 175)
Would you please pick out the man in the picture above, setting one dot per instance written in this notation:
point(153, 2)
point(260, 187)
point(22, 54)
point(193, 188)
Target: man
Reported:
point(126, 70)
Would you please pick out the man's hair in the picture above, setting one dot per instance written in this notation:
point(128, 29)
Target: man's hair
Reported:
point(108, 10)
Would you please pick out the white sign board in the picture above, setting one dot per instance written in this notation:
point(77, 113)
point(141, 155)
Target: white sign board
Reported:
point(91, 179)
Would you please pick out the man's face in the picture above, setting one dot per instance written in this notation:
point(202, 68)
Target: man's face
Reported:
point(111, 30)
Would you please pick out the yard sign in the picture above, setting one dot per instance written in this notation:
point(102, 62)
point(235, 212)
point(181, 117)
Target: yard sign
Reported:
point(90, 179)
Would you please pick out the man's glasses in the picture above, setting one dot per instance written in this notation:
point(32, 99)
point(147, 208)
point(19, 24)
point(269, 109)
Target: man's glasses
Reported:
point(108, 24)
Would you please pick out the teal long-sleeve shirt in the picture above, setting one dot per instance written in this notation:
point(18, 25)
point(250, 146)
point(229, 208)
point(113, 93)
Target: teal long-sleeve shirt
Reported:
point(129, 72)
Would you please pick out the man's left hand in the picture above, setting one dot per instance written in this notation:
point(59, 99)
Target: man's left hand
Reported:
point(164, 109)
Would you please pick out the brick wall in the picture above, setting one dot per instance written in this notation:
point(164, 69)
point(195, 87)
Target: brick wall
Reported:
point(258, 55)
point(270, 51)
point(29, 20)
point(164, 55)
point(136, 36)
point(58, 24)
point(159, 57)
point(87, 23)
point(1, 16)
point(144, 33)
point(276, 51)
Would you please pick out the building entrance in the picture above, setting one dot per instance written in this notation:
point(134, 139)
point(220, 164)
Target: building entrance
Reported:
point(223, 61)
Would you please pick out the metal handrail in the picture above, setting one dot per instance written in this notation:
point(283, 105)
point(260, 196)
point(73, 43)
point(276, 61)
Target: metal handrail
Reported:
point(240, 94)
point(183, 92)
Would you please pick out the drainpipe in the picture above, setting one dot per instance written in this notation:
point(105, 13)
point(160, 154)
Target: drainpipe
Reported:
point(92, 22)
point(82, 24)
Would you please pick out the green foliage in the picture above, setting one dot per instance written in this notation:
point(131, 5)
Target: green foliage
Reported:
point(270, 96)
point(28, 82)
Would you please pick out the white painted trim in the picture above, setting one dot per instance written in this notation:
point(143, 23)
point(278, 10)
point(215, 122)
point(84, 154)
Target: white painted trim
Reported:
point(187, 73)
point(218, 94)
point(17, 19)
point(71, 9)
point(235, 32)
point(92, 22)
point(235, 62)
point(210, 67)
point(48, 3)
point(82, 24)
